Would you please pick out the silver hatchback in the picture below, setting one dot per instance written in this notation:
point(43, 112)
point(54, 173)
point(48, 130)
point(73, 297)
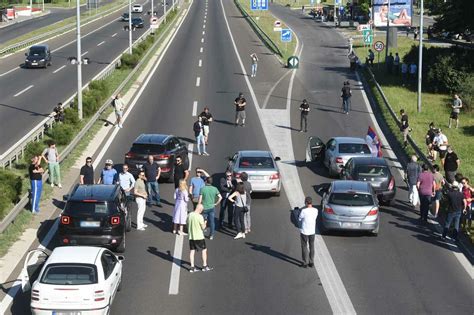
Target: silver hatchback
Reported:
point(339, 150)
point(261, 167)
point(350, 205)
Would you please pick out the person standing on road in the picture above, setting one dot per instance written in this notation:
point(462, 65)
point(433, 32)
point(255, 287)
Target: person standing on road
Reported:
point(227, 187)
point(196, 225)
point(240, 200)
point(86, 176)
point(426, 188)
point(404, 126)
point(36, 179)
point(455, 110)
point(206, 119)
point(180, 212)
point(108, 176)
point(307, 222)
point(126, 180)
point(180, 171)
point(248, 190)
point(439, 183)
point(200, 138)
point(451, 164)
point(304, 109)
point(254, 58)
point(412, 173)
point(457, 204)
point(346, 97)
point(118, 106)
point(140, 198)
point(152, 175)
point(240, 115)
point(197, 182)
point(51, 156)
point(210, 197)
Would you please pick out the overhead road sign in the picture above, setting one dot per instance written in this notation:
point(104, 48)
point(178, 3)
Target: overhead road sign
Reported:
point(256, 5)
point(286, 35)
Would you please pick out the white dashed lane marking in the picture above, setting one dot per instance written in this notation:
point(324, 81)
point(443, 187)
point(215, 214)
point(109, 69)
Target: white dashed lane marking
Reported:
point(195, 106)
point(198, 81)
point(59, 69)
point(23, 91)
point(201, 50)
point(101, 43)
point(113, 35)
point(200, 63)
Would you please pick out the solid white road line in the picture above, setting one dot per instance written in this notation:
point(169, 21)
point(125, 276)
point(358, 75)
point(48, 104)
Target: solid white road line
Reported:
point(198, 81)
point(267, 98)
point(195, 107)
point(201, 50)
point(84, 53)
point(115, 34)
point(23, 91)
point(200, 63)
point(101, 43)
point(9, 71)
point(59, 69)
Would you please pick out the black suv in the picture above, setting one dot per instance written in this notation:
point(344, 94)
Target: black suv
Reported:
point(164, 148)
point(38, 56)
point(95, 215)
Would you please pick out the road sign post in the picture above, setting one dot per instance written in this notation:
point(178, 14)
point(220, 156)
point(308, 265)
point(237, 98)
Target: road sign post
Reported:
point(378, 46)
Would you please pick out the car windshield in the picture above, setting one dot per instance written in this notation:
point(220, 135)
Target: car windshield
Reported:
point(351, 199)
point(137, 20)
point(88, 208)
point(256, 162)
point(36, 51)
point(360, 148)
point(372, 171)
point(147, 148)
point(69, 274)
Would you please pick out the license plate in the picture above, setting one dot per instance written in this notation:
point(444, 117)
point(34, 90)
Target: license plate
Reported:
point(90, 224)
point(256, 177)
point(139, 166)
point(34, 63)
point(350, 225)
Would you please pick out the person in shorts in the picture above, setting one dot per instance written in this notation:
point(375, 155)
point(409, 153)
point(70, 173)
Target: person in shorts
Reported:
point(240, 115)
point(440, 144)
point(119, 106)
point(439, 183)
point(455, 110)
point(196, 226)
point(206, 119)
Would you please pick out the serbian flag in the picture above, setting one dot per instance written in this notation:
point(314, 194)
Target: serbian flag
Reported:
point(373, 142)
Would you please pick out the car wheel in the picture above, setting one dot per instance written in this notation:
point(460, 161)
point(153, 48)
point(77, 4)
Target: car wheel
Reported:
point(121, 247)
point(277, 194)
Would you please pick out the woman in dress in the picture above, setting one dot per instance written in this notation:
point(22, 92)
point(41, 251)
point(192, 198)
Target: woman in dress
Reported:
point(180, 213)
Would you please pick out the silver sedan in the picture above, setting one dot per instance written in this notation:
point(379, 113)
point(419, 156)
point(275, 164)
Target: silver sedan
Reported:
point(339, 150)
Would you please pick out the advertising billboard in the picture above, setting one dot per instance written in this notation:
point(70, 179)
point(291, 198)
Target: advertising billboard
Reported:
point(400, 12)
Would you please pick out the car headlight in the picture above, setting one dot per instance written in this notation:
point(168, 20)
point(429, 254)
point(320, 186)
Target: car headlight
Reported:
point(42, 60)
point(26, 60)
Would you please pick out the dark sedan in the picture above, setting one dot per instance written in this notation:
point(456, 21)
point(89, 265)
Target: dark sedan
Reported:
point(137, 22)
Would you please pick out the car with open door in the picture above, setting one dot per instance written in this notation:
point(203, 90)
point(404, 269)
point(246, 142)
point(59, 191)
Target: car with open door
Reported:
point(314, 149)
point(72, 280)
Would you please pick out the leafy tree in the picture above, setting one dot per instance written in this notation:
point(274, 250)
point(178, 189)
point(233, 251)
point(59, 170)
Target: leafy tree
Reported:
point(456, 16)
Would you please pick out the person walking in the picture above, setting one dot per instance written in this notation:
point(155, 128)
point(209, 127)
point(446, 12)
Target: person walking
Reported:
point(140, 198)
point(206, 119)
point(451, 164)
point(51, 156)
point(455, 110)
point(346, 97)
point(118, 106)
point(426, 188)
point(254, 58)
point(412, 173)
point(35, 172)
point(227, 187)
point(126, 181)
point(109, 175)
point(197, 182)
point(210, 197)
point(152, 175)
point(240, 103)
point(304, 109)
point(86, 175)
point(439, 183)
point(457, 204)
point(180, 171)
point(196, 225)
point(180, 212)
point(239, 198)
point(248, 190)
point(429, 138)
point(307, 222)
point(199, 134)
point(404, 126)
point(396, 64)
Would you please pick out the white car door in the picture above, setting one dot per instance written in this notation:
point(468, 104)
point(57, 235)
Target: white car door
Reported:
point(34, 262)
point(112, 272)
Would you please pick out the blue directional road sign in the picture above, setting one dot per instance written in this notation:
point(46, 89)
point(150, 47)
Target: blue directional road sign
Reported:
point(256, 5)
point(286, 35)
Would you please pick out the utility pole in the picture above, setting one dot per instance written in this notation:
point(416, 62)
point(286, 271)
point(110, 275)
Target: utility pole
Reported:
point(164, 9)
point(420, 58)
point(387, 32)
point(130, 27)
point(79, 60)
point(152, 8)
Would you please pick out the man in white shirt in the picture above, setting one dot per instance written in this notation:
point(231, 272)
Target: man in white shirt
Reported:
point(307, 221)
point(127, 181)
point(441, 144)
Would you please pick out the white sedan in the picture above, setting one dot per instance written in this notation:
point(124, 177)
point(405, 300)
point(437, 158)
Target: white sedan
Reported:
point(137, 8)
point(73, 280)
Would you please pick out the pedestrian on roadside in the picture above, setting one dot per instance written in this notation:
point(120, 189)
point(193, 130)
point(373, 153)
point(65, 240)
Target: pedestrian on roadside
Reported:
point(408, 31)
point(127, 181)
point(118, 106)
point(415, 34)
point(307, 221)
point(404, 73)
point(51, 156)
point(304, 109)
point(468, 193)
point(441, 144)
point(140, 198)
point(396, 64)
point(404, 127)
point(35, 172)
point(451, 164)
point(429, 138)
point(199, 135)
point(196, 225)
point(197, 182)
point(86, 175)
point(254, 58)
point(346, 94)
point(180, 171)
point(412, 173)
point(426, 188)
point(371, 57)
point(58, 113)
point(227, 187)
point(457, 204)
point(389, 63)
point(180, 212)
point(248, 190)
point(210, 197)
point(455, 110)
point(239, 198)
point(439, 183)
point(240, 103)
point(206, 119)
point(152, 175)
point(413, 68)
point(109, 175)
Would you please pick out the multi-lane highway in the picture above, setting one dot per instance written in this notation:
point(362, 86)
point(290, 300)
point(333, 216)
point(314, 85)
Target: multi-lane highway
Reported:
point(405, 270)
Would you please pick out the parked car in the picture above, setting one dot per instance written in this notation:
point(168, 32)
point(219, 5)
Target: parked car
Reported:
point(349, 205)
point(72, 280)
point(137, 22)
point(125, 17)
point(164, 148)
point(339, 150)
point(137, 8)
point(38, 56)
point(375, 171)
point(95, 215)
point(263, 172)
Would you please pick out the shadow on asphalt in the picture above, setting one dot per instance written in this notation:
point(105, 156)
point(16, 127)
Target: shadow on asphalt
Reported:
point(25, 110)
point(269, 251)
point(166, 221)
point(167, 256)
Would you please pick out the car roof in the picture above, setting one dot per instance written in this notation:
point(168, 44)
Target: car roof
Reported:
point(255, 153)
point(351, 185)
point(349, 140)
point(151, 138)
point(94, 192)
point(368, 160)
point(74, 254)
point(40, 46)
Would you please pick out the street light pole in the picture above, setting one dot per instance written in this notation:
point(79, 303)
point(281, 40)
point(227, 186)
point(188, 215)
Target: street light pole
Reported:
point(164, 9)
point(152, 8)
point(130, 27)
point(420, 58)
point(79, 60)
point(387, 32)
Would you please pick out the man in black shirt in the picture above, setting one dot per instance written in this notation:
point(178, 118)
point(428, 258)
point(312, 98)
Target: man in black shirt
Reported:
point(429, 138)
point(451, 164)
point(36, 178)
point(404, 127)
point(304, 109)
point(346, 97)
point(58, 113)
point(240, 103)
point(152, 174)
point(180, 171)
point(206, 117)
point(86, 176)
point(457, 204)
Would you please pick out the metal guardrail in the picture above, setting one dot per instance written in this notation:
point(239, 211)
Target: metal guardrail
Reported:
point(11, 216)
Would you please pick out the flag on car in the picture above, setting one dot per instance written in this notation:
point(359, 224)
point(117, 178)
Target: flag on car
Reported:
point(373, 142)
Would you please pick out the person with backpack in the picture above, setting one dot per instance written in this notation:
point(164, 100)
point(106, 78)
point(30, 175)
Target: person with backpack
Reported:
point(346, 97)
point(198, 129)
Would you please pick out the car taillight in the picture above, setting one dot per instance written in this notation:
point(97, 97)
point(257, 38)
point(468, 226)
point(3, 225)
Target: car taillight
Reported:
point(374, 211)
point(115, 220)
point(275, 176)
point(99, 295)
point(236, 175)
point(130, 155)
point(166, 169)
point(65, 220)
point(35, 295)
point(162, 156)
point(391, 184)
point(339, 160)
point(329, 210)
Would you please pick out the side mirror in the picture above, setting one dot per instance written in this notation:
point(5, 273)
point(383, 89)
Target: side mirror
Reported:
point(120, 257)
point(65, 197)
point(26, 54)
point(277, 158)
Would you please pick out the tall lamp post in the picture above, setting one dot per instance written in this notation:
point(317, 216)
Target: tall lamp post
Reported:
point(79, 60)
point(130, 26)
point(388, 27)
point(420, 58)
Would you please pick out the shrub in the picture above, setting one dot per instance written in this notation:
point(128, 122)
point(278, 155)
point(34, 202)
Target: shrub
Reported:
point(130, 61)
point(101, 86)
point(62, 134)
point(33, 149)
point(71, 116)
point(10, 190)
point(466, 92)
point(443, 77)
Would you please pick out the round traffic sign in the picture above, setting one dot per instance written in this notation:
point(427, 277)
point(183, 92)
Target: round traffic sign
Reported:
point(153, 20)
point(277, 23)
point(379, 46)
